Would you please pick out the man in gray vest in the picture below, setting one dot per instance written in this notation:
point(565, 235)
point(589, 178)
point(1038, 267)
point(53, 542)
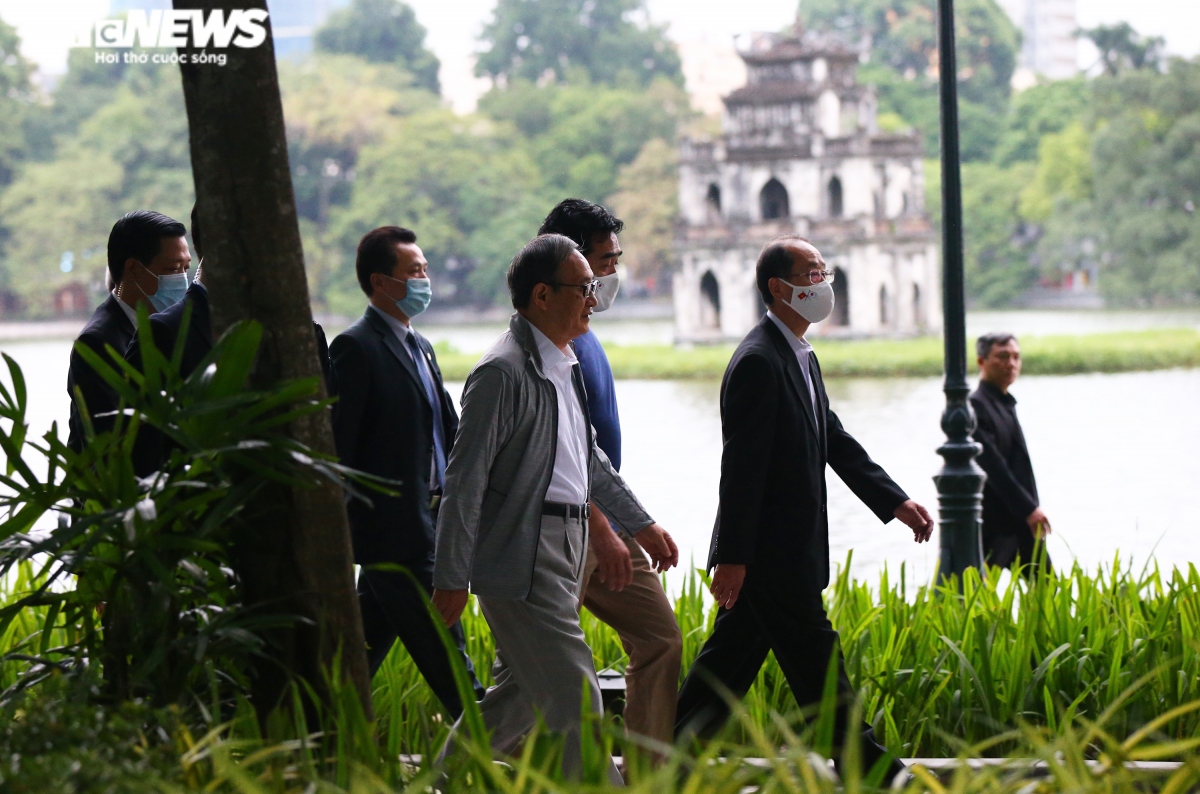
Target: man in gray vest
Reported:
point(514, 519)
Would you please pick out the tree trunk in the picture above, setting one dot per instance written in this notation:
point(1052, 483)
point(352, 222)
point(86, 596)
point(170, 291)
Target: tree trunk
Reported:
point(296, 557)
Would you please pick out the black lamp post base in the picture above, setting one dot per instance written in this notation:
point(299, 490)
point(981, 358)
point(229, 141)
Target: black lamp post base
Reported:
point(960, 491)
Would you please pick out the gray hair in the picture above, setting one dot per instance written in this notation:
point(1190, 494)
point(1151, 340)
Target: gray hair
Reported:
point(537, 263)
point(985, 343)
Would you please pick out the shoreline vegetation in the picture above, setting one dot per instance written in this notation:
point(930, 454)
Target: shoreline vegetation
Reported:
point(1073, 668)
point(1125, 351)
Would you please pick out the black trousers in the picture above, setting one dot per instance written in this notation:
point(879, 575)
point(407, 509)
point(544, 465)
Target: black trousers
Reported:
point(769, 615)
point(1001, 548)
point(392, 608)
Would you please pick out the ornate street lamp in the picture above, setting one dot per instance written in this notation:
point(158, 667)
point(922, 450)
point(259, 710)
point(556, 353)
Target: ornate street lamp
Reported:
point(960, 482)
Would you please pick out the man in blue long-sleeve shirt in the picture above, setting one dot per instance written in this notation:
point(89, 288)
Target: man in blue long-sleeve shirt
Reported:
point(624, 591)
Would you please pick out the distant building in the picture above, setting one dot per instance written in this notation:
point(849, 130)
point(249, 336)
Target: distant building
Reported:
point(293, 22)
point(1048, 43)
point(801, 153)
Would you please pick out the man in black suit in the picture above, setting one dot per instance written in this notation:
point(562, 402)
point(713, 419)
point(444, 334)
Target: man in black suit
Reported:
point(394, 419)
point(148, 258)
point(770, 545)
point(151, 448)
point(1013, 521)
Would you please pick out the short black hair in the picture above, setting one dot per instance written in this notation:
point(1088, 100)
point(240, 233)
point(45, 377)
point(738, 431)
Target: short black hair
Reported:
point(985, 343)
point(377, 253)
point(775, 261)
point(139, 235)
point(537, 263)
point(582, 221)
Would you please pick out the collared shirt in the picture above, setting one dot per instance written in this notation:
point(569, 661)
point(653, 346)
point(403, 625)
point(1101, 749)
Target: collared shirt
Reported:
point(803, 351)
point(130, 312)
point(402, 332)
point(569, 481)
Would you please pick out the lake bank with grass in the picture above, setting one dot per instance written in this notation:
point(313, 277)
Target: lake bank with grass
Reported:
point(1126, 351)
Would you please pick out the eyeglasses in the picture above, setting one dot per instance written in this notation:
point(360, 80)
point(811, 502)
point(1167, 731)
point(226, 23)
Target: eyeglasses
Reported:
point(587, 290)
point(816, 276)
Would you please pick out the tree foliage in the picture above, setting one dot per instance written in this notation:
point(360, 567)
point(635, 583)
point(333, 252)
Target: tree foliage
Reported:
point(608, 41)
point(647, 198)
point(1122, 48)
point(1146, 181)
point(381, 31)
point(904, 61)
point(15, 102)
point(132, 153)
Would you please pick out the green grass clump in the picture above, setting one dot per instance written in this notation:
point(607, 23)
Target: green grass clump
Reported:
point(1079, 672)
point(938, 669)
point(1127, 351)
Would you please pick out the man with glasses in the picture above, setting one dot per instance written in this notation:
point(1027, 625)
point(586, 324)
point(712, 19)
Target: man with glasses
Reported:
point(523, 472)
point(619, 585)
point(770, 545)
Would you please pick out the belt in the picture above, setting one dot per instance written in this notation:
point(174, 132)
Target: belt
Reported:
point(565, 511)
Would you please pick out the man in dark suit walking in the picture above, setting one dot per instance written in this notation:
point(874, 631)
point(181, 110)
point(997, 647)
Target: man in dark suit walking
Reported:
point(1013, 521)
point(394, 419)
point(148, 258)
point(151, 449)
point(770, 545)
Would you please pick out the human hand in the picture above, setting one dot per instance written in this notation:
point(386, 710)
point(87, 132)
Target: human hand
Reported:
point(616, 566)
point(917, 518)
point(659, 545)
point(449, 604)
point(1038, 523)
point(727, 583)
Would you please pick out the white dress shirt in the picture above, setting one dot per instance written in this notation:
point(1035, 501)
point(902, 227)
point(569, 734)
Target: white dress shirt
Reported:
point(802, 349)
point(569, 481)
point(130, 312)
point(400, 329)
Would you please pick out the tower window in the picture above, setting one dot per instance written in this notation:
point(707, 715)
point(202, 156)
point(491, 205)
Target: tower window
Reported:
point(712, 201)
point(773, 201)
point(710, 302)
point(835, 197)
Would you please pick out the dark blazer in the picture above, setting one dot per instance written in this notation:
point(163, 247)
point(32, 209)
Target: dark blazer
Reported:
point(150, 450)
point(110, 326)
point(773, 513)
point(1010, 493)
point(383, 425)
point(166, 325)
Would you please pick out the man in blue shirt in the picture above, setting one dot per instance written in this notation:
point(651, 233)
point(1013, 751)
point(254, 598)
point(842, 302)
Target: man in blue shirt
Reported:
point(624, 592)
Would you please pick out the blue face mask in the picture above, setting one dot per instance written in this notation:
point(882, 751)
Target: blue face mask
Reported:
point(420, 293)
point(171, 289)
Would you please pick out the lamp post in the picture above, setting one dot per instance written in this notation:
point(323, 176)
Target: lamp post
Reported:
point(960, 482)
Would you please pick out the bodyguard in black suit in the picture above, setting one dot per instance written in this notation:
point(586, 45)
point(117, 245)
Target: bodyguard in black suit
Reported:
point(151, 450)
point(770, 545)
point(1013, 521)
point(394, 419)
point(148, 258)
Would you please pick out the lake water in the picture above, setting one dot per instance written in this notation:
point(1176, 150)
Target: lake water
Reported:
point(1117, 457)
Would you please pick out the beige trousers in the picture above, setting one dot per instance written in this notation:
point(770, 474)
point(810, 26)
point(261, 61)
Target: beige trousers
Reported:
point(645, 622)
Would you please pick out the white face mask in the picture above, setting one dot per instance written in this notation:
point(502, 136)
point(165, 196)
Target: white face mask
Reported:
point(813, 303)
point(608, 291)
